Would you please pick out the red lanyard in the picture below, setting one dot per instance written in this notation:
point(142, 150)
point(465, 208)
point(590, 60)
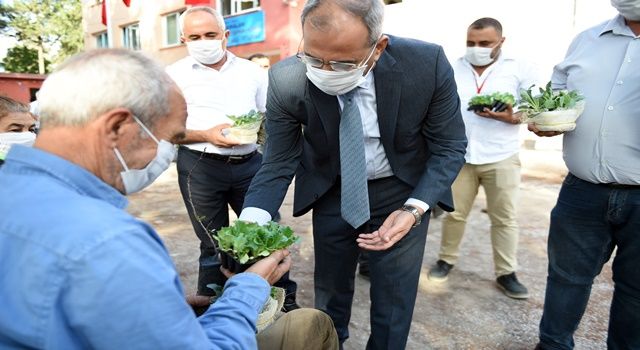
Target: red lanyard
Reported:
point(479, 88)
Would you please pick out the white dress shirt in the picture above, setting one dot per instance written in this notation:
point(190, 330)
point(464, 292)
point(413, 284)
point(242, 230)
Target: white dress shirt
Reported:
point(603, 63)
point(237, 88)
point(490, 140)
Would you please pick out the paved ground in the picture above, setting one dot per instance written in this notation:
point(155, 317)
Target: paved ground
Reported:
point(466, 312)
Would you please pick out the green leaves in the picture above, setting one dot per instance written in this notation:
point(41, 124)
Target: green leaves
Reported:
point(248, 241)
point(496, 102)
point(548, 100)
point(248, 119)
point(52, 28)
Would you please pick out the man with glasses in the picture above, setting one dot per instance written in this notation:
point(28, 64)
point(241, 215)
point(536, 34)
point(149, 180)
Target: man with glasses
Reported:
point(370, 126)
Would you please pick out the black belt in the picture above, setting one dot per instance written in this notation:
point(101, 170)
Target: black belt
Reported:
point(610, 185)
point(621, 186)
point(223, 158)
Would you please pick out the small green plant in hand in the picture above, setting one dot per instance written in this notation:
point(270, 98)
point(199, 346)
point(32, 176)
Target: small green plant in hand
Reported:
point(548, 100)
point(496, 102)
point(247, 242)
point(246, 120)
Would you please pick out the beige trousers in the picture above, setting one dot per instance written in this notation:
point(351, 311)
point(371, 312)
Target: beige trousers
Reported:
point(500, 181)
point(307, 329)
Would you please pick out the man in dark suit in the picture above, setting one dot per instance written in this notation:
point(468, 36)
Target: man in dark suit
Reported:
point(401, 96)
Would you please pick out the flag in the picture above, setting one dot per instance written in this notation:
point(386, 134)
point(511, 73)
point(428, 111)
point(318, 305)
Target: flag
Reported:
point(104, 9)
point(197, 2)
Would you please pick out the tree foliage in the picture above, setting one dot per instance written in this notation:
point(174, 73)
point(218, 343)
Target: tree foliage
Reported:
point(53, 28)
point(23, 60)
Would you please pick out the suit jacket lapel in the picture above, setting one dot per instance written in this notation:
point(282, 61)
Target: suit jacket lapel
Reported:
point(387, 79)
point(329, 112)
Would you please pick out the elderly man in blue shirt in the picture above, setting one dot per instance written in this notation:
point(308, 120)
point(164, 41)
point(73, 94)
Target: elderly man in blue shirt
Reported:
point(598, 208)
point(79, 272)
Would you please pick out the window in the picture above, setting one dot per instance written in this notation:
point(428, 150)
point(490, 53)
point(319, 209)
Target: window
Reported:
point(231, 7)
point(172, 29)
point(102, 40)
point(131, 36)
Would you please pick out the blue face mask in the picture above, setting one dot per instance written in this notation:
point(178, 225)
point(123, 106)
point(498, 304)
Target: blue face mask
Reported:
point(136, 180)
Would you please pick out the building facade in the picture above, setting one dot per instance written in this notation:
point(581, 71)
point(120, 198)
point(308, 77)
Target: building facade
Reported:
point(20, 86)
point(270, 27)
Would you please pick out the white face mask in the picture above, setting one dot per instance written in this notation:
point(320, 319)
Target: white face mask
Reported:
point(206, 51)
point(8, 139)
point(338, 83)
point(479, 56)
point(135, 180)
point(629, 9)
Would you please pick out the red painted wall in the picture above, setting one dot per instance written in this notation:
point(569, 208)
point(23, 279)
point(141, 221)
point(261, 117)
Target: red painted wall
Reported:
point(18, 86)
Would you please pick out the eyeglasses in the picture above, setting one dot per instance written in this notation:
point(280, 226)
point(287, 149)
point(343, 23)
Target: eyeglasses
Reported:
point(335, 65)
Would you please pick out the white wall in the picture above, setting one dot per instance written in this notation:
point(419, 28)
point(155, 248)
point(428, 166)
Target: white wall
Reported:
point(539, 31)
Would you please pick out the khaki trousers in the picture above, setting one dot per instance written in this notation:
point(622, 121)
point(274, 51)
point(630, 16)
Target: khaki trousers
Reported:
point(307, 329)
point(500, 181)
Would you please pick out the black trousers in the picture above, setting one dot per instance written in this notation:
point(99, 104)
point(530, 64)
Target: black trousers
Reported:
point(209, 187)
point(394, 272)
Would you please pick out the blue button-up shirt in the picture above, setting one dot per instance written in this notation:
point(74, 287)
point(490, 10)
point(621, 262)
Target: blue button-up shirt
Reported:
point(78, 272)
point(603, 63)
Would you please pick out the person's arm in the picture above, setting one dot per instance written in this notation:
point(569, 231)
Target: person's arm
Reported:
point(126, 294)
point(445, 135)
point(282, 151)
point(214, 136)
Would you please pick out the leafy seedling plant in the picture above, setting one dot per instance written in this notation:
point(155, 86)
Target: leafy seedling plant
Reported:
point(247, 120)
point(247, 242)
point(496, 102)
point(548, 100)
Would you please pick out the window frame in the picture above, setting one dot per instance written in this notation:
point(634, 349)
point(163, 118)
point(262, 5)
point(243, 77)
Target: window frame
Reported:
point(102, 40)
point(165, 28)
point(127, 36)
point(234, 5)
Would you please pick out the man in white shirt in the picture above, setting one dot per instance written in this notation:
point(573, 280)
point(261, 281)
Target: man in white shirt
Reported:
point(215, 170)
point(492, 154)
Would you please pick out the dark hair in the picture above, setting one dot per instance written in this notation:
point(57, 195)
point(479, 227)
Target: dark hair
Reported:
point(8, 105)
point(487, 22)
point(256, 55)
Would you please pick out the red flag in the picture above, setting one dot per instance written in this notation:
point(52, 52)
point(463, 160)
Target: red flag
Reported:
point(197, 2)
point(127, 3)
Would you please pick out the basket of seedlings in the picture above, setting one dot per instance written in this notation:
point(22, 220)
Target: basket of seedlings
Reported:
point(245, 127)
point(495, 102)
point(551, 110)
point(243, 243)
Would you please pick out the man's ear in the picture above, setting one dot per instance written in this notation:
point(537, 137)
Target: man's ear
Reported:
point(113, 125)
point(380, 46)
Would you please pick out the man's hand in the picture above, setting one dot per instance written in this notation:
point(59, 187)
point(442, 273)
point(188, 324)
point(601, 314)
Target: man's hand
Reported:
point(396, 226)
point(505, 116)
point(532, 128)
point(270, 268)
point(217, 137)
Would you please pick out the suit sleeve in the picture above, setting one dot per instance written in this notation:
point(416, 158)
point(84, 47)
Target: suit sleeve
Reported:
point(445, 136)
point(282, 149)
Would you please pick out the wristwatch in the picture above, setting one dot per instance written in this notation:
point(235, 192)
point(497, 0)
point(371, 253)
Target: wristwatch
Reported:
point(415, 212)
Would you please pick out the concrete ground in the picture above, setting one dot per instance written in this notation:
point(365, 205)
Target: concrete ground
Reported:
point(466, 312)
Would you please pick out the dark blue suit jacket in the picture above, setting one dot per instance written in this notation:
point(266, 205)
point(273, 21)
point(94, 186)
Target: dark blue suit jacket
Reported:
point(419, 118)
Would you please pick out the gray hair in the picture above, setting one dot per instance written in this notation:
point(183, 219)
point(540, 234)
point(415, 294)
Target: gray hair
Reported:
point(94, 82)
point(370, 11)
point(207, 9)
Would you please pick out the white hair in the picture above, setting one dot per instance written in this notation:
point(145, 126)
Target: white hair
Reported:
point(207, 9)
point(94, 82)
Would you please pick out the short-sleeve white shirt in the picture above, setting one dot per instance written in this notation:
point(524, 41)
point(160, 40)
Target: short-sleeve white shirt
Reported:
point(237, 88)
